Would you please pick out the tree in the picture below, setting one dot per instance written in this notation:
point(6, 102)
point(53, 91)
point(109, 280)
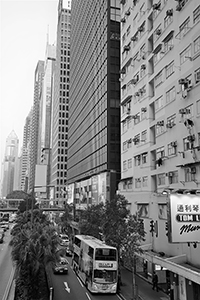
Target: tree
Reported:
point(91, 220)
point(66, 218)
point(33, 246)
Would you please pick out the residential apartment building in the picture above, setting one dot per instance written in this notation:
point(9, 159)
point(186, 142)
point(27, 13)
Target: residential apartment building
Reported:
point(59, 142)
point(10, 157)
point(160, 132)
point(94, 114)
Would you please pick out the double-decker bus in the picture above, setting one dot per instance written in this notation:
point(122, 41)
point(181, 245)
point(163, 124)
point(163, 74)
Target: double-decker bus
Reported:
point(96, 264)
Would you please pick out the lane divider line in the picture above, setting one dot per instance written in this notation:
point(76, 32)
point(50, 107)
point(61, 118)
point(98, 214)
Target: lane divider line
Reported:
point(88, 296)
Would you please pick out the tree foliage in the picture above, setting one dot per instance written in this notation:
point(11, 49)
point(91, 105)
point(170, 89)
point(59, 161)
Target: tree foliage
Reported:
point(91, 220)
point(34, 244)
point(114, 223)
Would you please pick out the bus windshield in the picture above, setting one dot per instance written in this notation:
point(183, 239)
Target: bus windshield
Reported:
point(105, 254)
point(102, 276)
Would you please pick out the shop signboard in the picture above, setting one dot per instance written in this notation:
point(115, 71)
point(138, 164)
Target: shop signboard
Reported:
point(70, 193)
point(185, 218)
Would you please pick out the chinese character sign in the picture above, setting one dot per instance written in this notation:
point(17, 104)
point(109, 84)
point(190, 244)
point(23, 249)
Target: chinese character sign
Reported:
point(185, 218)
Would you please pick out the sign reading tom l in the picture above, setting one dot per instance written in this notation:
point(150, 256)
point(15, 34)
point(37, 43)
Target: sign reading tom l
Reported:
point(185, 218)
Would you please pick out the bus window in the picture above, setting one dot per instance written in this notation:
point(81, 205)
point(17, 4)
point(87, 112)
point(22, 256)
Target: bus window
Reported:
point(77, 242)
point(105, 254)
point(90, 251)
point(103, 276)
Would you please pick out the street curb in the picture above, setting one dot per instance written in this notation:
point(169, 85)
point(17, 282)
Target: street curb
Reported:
point(123, 298)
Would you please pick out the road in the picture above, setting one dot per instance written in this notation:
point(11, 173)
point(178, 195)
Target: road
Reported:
point(75, 289)
point(6, 265)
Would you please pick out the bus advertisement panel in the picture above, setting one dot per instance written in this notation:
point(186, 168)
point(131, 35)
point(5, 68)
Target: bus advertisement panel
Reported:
point(96, 264)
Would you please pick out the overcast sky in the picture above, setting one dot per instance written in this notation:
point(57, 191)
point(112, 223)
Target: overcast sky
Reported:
point(23, 36)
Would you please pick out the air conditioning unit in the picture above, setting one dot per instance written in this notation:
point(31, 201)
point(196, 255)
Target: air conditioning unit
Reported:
point(156, 6)
point(123, 71)
point(193, 170)
point(191, 138)
point(137, 94)
point(182, 81)
point(162, 50)
point(143, 66)
point(136, 140)
point(158, 32)
point(134, 38)
point(134, 81)
point(135, 117)
point(178, 7)
point(170, 174)
point(169, 125)
point(123, 20)
point(169, 12)
point(128, 111)
point(184, 111)
point(141, 28)
point(127, 48)
point(143, 109)
point(174, 144)
point(160, 123)
point(127, 13)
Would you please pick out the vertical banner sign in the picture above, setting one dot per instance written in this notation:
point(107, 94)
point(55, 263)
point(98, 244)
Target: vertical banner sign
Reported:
point(185, 218)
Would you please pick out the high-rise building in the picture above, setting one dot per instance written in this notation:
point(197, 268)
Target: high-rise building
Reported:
point(25, 153)
point(11, 153)
point(160, 134)
point(94, 114)
point(34, 127)
point(17, 172)
point(45, 115)
point(59, 142)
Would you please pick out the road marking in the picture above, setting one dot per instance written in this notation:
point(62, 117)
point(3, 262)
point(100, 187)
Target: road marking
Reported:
point(67, 287)
point(80, 282)
point(88, 296)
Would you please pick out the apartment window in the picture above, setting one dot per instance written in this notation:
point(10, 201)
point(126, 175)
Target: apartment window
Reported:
point(162, 211)
point(144, 158)
point(189, 175)
point(137, 160)
point(129, 143)
point(171, 121)
point(137, 139)
point(160, 152)
point(142, 50)
point(124, 146)
point(167, 21)
point(137, 118)
point(172, 150)
point(158, 79)
point(143, 210)
point(171, 95)
point(186, 144)
point(173, 178)
point(197, 76)
point(144, 136)
point(158, 103)
point(130, 184)
point(198, 107)
point(124, 165)
point(160, 129)
point(196, 15)
point(161, 179)
point(185, 54)
point(184, 28)
point(169, 69)
point(145, 181)
point(137, 182)
point(197, 45)
point(130, 163)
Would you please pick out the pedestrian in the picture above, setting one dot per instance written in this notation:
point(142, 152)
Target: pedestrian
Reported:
point(155, 281)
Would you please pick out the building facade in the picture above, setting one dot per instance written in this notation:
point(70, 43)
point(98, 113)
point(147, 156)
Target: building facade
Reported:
point(59, 139)
point(160, 130)
point(34, 126)
point(10, 158)
point(94, 114)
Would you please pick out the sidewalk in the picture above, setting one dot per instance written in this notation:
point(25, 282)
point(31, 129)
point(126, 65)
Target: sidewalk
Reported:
point(145, 291)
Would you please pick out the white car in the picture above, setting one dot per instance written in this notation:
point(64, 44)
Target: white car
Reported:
point(64, 239)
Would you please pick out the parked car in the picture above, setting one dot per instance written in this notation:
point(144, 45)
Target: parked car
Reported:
point(68, 252)
point(2, 231)
point(4, 225)
point(60, 267)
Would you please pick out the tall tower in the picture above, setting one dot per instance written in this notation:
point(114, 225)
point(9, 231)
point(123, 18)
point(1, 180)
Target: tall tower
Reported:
point(11, 152)
point(60, 102)
point(25, 152)
point(94, 113)
point(39, 73)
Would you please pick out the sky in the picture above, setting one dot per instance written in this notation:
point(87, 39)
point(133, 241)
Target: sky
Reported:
point(24, 25)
